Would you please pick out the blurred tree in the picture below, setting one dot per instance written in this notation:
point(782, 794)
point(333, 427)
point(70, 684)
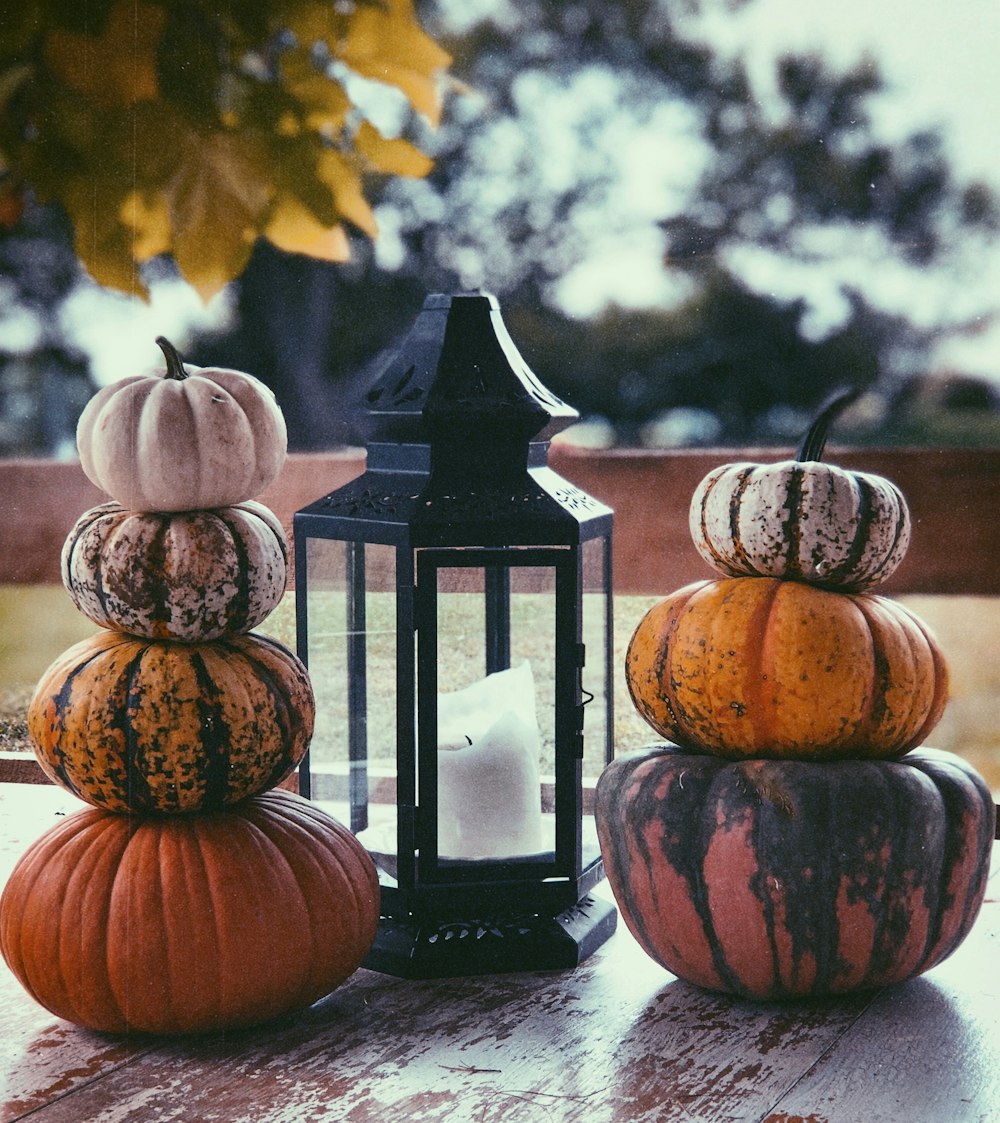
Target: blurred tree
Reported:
point(665, 240)
point(776, 219)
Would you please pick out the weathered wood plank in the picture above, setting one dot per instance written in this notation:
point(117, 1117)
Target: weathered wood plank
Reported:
point(924, 1052)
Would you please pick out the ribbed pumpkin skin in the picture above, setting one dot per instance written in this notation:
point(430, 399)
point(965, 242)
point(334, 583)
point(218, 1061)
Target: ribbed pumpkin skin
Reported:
point(133, 724)
point(153, 443)
point(192, 576)
point(777, 879)
point(182, 924)
point(755, 666)
point(808, 521)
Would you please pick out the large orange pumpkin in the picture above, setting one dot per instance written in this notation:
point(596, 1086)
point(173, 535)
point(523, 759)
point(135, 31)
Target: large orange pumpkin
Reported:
point(760, 667)
point(180, 924)
point(134, 724)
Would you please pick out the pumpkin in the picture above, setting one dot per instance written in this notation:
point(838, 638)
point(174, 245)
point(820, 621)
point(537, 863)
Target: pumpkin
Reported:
point(772, 879)
point(182, 439)
point(133, 724)
point(182, 924)
point(801, 519)
point(755, 666)
point(192, 575)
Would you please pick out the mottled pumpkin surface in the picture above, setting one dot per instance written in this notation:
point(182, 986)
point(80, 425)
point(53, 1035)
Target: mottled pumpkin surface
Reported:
point(774, 879)
point(760, 667)
point(193, 575)
point(182, 924)
point(145, 725)
point(808, 521)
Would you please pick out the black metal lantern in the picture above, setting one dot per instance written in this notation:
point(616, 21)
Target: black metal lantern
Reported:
point(454, 608)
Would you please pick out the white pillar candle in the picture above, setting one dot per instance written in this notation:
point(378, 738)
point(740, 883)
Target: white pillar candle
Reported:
point(489, 802)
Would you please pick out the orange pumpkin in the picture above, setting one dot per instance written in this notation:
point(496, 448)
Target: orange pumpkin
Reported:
point(135, 724)
point(760, 667)
point(181, 924)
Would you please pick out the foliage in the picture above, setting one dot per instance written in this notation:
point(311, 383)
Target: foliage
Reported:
point(191, 128)
point(775, 220)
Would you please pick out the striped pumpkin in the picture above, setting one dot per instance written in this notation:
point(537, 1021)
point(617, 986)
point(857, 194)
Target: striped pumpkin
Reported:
point(772, 879)
point(802, 519)
point(755, 666)
point(192, 576)
point(184, 924)
point(133, 724)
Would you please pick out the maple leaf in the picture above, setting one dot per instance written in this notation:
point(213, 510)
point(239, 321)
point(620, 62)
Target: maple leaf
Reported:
point(216, 197)
point(391, 156)
point(271, 147)
point(118, 67)
point(295, 229)
point(385, 42)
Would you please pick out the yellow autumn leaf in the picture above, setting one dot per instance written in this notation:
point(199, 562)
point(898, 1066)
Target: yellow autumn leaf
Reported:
point(314, 21)
point(323, 99)
point(145, 214)
point(103, 243)
point(118, 67)
point(386, 42)
point(216, 197)
point(343, 177)
point(294, 229)
point(391, 156)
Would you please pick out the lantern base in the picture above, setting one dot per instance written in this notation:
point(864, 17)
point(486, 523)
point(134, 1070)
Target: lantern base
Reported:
point(412, 948)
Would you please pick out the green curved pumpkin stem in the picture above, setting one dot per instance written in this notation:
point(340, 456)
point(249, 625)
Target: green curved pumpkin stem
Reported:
point(175, 365)
point(814, 442)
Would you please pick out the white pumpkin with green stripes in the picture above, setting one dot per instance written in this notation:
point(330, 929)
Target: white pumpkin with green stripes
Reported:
point(801, 519)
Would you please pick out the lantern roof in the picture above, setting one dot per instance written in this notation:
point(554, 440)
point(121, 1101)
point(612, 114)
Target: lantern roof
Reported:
point(457, 430)
point(458, 375)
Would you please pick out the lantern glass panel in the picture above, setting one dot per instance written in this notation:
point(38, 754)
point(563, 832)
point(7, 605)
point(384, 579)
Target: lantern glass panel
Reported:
point(352, 658)
point(496, 713)
point(596, 683)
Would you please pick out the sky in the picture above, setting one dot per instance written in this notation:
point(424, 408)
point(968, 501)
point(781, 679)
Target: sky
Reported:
point(941, 55)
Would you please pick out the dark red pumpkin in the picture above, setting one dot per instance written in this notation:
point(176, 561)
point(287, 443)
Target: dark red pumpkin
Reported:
point(775, 878)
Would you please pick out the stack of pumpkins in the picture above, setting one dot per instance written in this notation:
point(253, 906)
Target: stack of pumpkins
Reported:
point(791, 839)
point(195, 894)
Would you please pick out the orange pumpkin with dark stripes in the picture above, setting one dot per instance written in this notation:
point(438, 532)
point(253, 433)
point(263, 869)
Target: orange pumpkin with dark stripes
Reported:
point(134, 724)
point(771, 879)
point(755, 666)
point(182, 924)
point(191, 575)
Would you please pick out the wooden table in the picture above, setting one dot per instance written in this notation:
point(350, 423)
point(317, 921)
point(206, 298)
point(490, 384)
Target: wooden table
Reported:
point(615, 1041)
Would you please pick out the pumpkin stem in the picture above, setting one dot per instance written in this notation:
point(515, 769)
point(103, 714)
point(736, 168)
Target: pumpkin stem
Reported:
point(175, 365)
point(814, 442)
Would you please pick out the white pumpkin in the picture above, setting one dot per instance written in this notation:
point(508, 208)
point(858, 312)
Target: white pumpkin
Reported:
point(182, 438)
point(802, 519)
point(191, 576)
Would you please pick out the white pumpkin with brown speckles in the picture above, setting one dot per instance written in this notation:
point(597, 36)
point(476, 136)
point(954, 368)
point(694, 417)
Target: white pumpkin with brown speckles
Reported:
point(191, 575)
point(809, 521)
